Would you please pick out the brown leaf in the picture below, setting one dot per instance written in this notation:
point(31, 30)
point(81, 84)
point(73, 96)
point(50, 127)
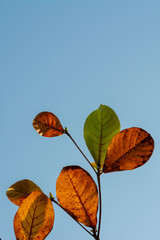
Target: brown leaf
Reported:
point(77, 194)
point(129, 149)
point(34, 218)
point(48, 125)
point(20, 190)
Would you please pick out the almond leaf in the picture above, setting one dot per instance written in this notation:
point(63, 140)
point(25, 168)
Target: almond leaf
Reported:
point(77, 194)
point(129, 149)
point(47, 125)
point(99, 129)
point(20, 190)
point(34, 218)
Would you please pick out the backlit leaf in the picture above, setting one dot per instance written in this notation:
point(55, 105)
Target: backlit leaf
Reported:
point(77, 194)
point(99, 129)
point(34, 218)
point(48, 125)
point(129, 149)
point(20, 190)
point(94, 165)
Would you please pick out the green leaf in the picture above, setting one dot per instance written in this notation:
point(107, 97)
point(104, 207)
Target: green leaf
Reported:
point(99, 129)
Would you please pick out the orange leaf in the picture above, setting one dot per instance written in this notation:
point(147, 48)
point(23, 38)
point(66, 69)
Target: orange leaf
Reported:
point(129, 149)
point(77, 194)
point(20, 190)
point(34, 218)
point(48, 125)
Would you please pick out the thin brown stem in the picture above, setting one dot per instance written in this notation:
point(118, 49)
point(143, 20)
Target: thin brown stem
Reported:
point(94, 234)
point(66, 132)
point(98, 173)
point(100, 203)
point(53, 200)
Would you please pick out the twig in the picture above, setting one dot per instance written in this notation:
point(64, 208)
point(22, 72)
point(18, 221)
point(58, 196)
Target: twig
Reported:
point(53, 200)
point(66, 132)
point(98, 173)
point(100, 203)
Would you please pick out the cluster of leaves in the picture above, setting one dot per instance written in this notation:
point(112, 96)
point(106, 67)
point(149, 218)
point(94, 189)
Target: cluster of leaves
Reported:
point(77, 193)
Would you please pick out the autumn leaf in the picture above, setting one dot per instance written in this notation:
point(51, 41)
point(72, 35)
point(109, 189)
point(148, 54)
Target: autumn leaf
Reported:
point(77, 194)
point(20, 190)
point(48, 125)
point(94, 165)
point(129, 149)
point(99, 129)
point(34, 218)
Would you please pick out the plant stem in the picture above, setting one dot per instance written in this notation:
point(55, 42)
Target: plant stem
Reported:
point(95, 235)
point(66, 132)
point(53, 200)
point(98, 173)
point(100, 203)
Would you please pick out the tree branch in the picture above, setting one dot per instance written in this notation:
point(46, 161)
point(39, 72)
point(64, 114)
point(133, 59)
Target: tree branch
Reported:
point(53, 200)
point(100, 203)
point(66, 132)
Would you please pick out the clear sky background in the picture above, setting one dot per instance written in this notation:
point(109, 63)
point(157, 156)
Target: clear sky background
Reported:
point(68, 57)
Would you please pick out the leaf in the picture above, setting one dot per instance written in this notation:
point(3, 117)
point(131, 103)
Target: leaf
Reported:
point(20, 190)
point(48, 125)
point(129, 149)
point(99, 129)
point(34, 218)
point(77, 194)
point(94, 165)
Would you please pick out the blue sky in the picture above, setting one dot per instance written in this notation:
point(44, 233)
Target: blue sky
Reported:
point(68, 57)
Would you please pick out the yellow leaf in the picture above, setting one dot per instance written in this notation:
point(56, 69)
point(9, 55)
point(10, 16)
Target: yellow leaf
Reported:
point(77, 194)
point(95, 166)
point(48, 125)
point(34, 218)
point(129, 149)
point(20, 190)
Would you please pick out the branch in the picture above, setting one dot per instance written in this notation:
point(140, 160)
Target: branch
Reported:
point(66, 132)
point(98, 173)
point(53, 200)
point(100, 202)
